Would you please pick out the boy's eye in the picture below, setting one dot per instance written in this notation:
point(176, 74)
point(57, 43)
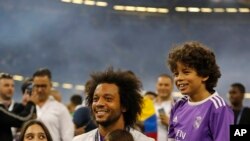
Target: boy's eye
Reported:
point(176, 73)
point(186, 71)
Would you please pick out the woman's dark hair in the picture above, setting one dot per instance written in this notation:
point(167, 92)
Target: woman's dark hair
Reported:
point(33, 122)
point(197, 56)
point(119, 134)
point(129, 91)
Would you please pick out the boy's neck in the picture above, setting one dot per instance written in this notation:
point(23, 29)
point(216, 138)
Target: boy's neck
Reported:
point(199, 97)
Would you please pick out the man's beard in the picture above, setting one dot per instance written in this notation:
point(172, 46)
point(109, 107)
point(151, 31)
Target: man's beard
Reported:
point(110, 120)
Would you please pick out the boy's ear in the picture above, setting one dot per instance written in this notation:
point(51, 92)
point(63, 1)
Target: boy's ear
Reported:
point(205, 78)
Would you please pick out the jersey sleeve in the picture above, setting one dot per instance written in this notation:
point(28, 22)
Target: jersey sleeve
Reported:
point(220, 121)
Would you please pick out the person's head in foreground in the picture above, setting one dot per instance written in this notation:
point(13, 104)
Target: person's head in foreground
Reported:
point(34, 130)
point(119, 135)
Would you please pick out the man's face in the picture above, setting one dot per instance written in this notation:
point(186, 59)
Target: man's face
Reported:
point(235, 96)
point(106, 105)
point(164, 87)
point(42, 87)
point(6, 88)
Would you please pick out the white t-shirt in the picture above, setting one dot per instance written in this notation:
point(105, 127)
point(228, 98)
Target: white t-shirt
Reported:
point(162, 131)
point(57, 119)
point(90, 136)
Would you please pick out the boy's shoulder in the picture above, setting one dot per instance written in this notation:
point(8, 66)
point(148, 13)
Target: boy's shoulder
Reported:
point(181, 101)
point(217, 101)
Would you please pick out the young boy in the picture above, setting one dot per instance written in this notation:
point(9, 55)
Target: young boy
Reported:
point(201, 115)
point(119, 135)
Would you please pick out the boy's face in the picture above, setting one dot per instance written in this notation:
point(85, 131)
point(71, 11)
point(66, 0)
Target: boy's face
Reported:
point(188, 81)
point(106, 105)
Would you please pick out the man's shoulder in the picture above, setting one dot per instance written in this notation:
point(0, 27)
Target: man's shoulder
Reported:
point(138, 136)
point(247, 110)
point(89, 136)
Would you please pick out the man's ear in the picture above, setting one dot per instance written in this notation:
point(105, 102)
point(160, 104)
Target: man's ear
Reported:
point(124, 110)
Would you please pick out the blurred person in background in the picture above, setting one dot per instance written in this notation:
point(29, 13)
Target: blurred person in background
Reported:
point(236, 97)
point(163, 104)
point(17, 116)
point(151, 95)
point(75, 100)
point(56, 94)
point(82, 117)
point(51, 112)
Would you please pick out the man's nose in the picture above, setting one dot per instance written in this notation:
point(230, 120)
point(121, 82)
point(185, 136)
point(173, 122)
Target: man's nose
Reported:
point(100, 102)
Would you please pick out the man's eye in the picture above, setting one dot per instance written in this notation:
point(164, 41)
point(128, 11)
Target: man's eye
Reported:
point(95, 99)
point(109, 99)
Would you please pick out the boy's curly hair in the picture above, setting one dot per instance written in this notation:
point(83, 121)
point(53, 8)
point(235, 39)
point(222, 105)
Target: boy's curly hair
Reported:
point(197, 56)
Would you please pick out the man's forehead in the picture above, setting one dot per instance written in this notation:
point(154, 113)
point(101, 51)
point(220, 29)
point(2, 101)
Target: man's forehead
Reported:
point(41, 78)
point(106, 88)
point(6, 80)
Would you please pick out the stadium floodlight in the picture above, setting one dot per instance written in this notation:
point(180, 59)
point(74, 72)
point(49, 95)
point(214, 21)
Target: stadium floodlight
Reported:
point(244, 10)
point(67, 86)
point(18, 77)
point(193, 9)
point(77, 1)
point(101, 3)
point(181, 9)
point(89, 2)
point(219, 10)
point(163, 10)
point(119, 7)
point(130, 8)
point(231, 10)
point(68, 1)
point(206, 10)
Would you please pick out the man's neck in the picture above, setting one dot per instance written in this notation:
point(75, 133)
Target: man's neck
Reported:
point(5, 102)
point(237, 107)
point(41, 103)
point(104, 130)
